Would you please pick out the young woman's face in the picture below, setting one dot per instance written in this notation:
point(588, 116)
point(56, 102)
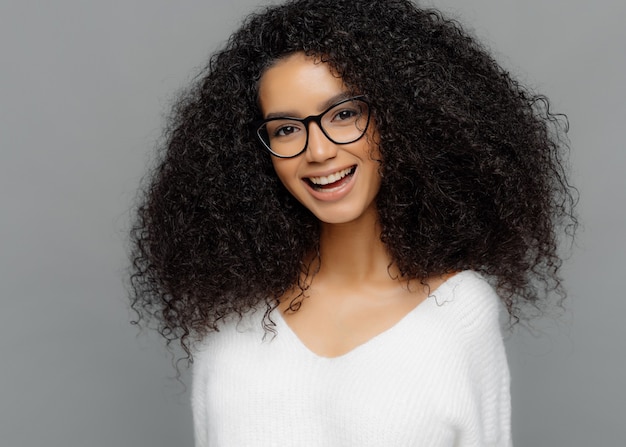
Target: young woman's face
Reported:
point(336, 182)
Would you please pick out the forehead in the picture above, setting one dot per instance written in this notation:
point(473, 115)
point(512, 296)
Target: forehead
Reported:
point(298, 84)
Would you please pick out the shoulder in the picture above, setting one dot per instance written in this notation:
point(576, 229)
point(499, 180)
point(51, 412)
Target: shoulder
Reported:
point(466, 283)
point(235, 334)
point(464, 320)
point(469, 299)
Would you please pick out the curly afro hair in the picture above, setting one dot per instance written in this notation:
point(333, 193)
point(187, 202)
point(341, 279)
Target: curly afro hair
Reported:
point(472, 168)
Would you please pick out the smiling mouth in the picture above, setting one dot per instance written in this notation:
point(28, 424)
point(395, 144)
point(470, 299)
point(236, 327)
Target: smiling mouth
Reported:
point(331, 181)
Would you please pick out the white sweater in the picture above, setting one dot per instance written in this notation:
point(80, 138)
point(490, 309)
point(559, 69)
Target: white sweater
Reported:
point(439, 377)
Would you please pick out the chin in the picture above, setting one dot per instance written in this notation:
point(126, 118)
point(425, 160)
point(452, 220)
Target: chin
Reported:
point(345, 216)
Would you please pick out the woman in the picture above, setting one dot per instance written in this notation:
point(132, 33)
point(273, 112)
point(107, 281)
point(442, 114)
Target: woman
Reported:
point(342, 198)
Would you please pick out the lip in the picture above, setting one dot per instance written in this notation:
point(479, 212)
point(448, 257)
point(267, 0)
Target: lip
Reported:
point(335, 193)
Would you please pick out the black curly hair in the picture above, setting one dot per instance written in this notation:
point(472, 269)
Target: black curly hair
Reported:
point(473, 170)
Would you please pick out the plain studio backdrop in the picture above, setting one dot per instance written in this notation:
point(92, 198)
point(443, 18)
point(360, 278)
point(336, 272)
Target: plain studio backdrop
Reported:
point(84, 87)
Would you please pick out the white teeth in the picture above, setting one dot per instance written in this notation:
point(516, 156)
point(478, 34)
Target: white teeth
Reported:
point(332, 178)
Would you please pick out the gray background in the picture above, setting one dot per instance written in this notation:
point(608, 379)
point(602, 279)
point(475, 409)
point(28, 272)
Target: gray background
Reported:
point(83, 89)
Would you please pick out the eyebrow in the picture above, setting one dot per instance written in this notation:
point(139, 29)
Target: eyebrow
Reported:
point(322, 107)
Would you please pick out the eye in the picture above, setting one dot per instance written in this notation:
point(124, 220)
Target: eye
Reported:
point(346, 114)
point(283, 129)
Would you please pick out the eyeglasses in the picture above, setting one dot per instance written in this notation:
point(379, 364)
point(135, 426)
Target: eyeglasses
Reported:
point(342, 123)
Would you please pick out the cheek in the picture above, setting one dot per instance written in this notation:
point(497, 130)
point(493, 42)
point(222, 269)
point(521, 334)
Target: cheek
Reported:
point(286, 171)
point(373, 144)
point(277, 168)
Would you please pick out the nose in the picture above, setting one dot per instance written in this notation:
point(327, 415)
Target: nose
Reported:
point(319, 147)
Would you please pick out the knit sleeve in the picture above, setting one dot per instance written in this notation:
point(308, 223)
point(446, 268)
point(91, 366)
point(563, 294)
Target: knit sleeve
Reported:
point(489, 379)
point(199, 401)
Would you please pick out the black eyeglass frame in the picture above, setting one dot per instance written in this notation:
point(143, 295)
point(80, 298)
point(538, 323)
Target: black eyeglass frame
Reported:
point(317, 119)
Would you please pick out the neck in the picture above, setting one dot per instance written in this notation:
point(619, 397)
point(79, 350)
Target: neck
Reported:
point(353, 251)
